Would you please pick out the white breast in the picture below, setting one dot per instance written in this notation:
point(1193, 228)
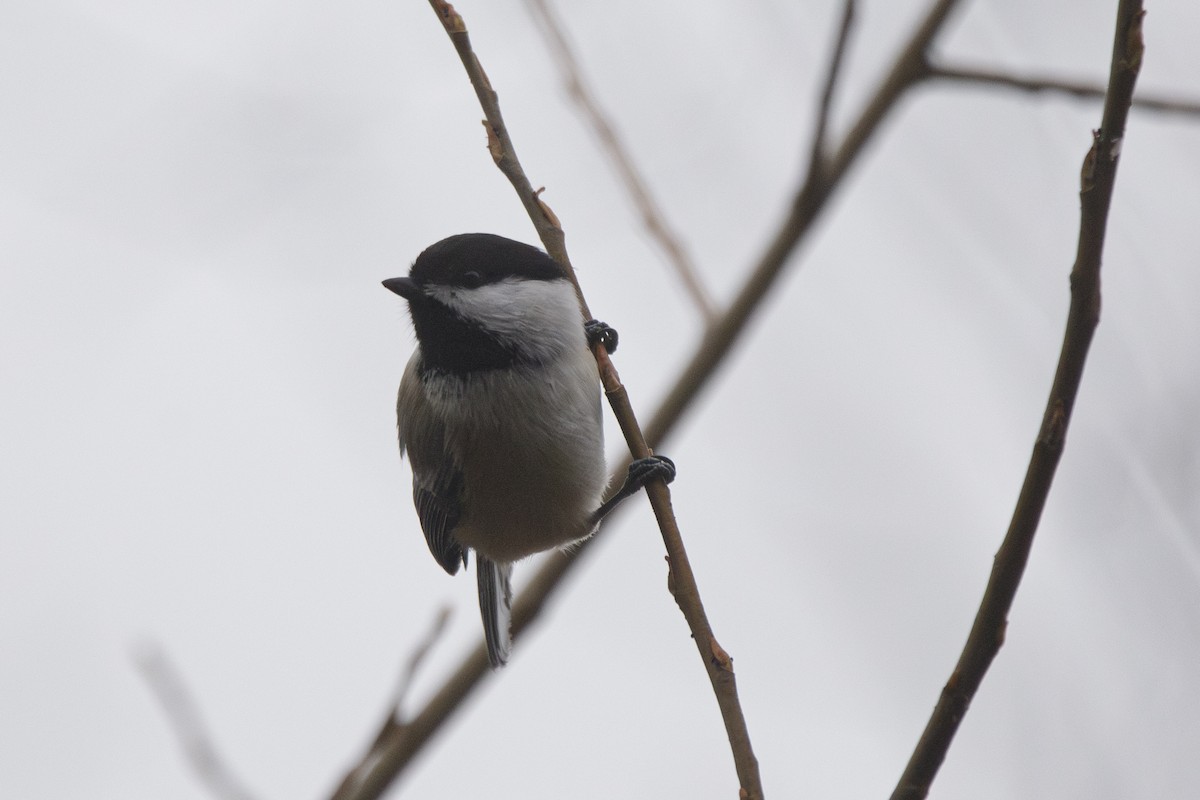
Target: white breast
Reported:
point(529, 440)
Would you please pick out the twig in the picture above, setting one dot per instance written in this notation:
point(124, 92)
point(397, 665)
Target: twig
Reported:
point(652, 214)
point(418, 656)
point(687, 593)
point(816, 158)
point(1033, 84)
point(184, 715)
point(500, 145)
point(905, 71)
point(988, 631)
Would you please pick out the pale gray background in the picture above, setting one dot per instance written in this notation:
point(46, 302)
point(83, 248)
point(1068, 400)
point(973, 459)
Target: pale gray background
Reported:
point(198, 203)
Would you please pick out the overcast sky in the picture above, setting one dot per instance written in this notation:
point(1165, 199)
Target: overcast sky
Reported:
point(199, 364)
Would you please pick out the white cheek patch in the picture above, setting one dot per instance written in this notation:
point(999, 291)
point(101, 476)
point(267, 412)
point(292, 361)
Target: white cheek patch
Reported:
point(533, 315)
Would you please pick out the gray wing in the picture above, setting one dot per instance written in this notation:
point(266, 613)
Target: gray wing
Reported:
point(438, 506)
point(437, 480)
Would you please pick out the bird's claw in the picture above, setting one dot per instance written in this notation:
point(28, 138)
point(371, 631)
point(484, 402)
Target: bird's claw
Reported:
point(602, 333)
point(644, 470)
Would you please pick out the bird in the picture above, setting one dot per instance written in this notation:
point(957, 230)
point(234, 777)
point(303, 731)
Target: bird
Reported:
point(498, 413)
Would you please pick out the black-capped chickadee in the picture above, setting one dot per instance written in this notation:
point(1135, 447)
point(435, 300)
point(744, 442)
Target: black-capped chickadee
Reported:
point(499, 413)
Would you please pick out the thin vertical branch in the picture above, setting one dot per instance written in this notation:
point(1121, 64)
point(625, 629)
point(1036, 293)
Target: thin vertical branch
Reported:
point(652, 214)
point(687, 593)
point(988, 631)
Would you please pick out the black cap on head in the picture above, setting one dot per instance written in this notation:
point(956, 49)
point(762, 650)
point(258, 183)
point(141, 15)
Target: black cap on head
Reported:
point(475, 259)
point(452, 343)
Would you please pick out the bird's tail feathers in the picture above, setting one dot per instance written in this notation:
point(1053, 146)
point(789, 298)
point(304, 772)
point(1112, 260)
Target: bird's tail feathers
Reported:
point(495, 604)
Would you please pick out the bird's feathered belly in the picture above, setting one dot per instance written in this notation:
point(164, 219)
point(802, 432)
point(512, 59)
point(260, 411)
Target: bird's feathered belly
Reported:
point(547, 420)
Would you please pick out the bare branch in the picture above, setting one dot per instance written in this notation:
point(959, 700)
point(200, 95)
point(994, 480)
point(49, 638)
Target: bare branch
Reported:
point(687, 593)
point(988, 631)
point(907, 69)
point(652, 215)
point(500, 144)
point(184, 715)
point(1034, 84)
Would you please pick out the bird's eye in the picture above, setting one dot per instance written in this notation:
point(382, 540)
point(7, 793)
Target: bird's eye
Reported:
point(472, 279)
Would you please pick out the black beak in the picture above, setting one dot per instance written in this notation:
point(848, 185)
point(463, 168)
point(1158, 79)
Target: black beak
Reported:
point(404, 287)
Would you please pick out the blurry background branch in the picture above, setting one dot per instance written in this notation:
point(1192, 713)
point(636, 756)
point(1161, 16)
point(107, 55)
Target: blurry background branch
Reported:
point(1049, 84)
point(394, 721)
point(184, 715)
point(639, 192)
point(817, 154)
point(988, 631)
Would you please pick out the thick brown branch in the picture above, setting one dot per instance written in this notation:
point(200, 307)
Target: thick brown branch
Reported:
point(988, 631)
point(1035, 84)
